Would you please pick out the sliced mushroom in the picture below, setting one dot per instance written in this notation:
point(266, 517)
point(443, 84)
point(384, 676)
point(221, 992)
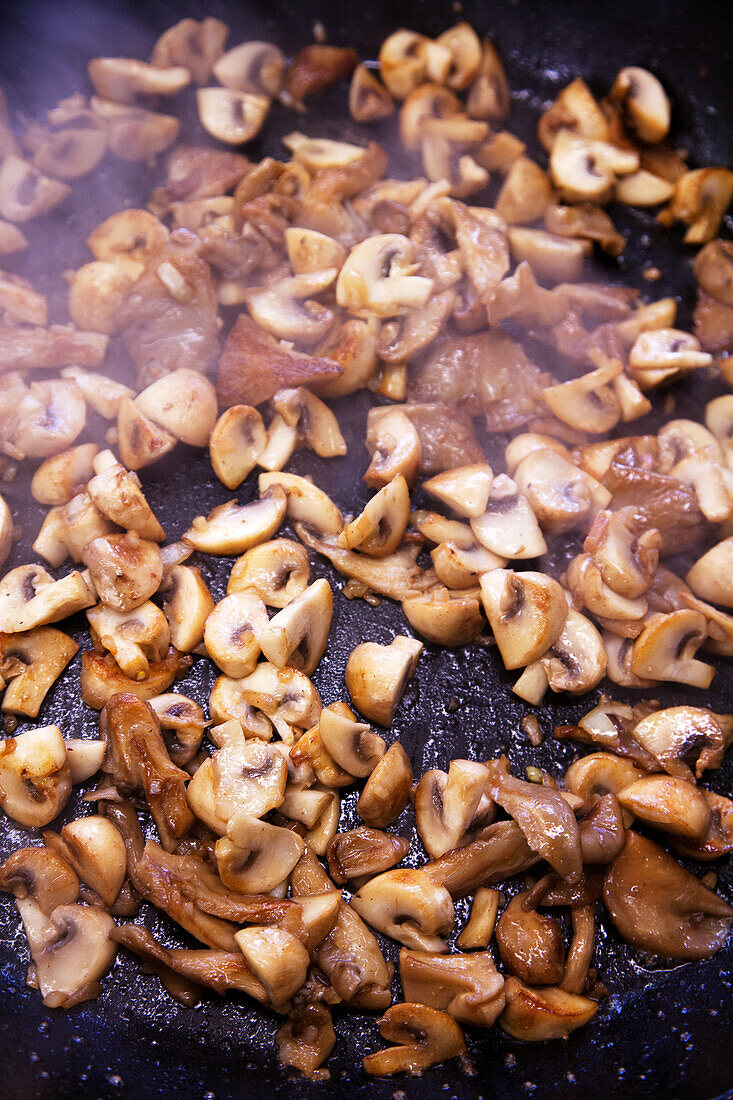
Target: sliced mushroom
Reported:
point(71, 950)
point(714, 275)
point(710, 576)
point(664, 353)
point(305, 502)
point(525, 192)
point(126, 570)
point(49, 418)
point(585, 581)
point(644, 103)
point(195, 45)
point(351, 346)
point(666, 648)
point(187, 607)
point(626, 563)
point(509, 526)
point(256, 856)
point(577, 661)
point(408, 906)
point(394, 445)
point(700, 199)
point(101, 393)
point(535, 1015)
point(249, 776)
point(532, 946)
point(363, 853)
point(233, 632)
point(314, 420)
point(351, 744)
point(118, 495)
point(527, 613)
point(642, 188)
point(30, 664)
point(133, 133)
point(377, 277)
point(427, 1037)
point(387, 790)
point(277, 958)
point(584, 170)
point(282, 693)
point(237, 441)
point(134, 637)
point(465, 489)
point(233, 528)
point(121, 78)
point(674, 805)
point(489, 95)
point(253, 67)
point(97, 854)
point(402, 62)
point(57, 479)
point(25, 193)
point(444, 617)
point(588, 403)
point(369, 100)
point(35, 779)
point(479, 928)
point(182, 723)
point(42, 875)
point(30, 597)
point(576, 110)
point(448, 805)
point(278, 571)
point(184, 404)
point(379, 529)
point(84, 758)
point(129, 239)
point(101, 678)
point(310, 251)
point(298, 634)
point(680, 737)
point(661, 908)
point(427, 101)
point(561, 495)
point(140, 440)
point(289, 310)
point(377, 675)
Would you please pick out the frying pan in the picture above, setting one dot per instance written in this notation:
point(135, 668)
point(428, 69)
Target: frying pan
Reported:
point(666, 1030)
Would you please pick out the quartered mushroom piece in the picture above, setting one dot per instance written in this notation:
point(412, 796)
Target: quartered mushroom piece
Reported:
point(535, 1015)
point(30, 597)
point(408, 906)
point(449, 805)
point(233, 528)
point(509, 526)
point(134, 637)
point(122, 78)
point(377, 675)
point(30, 663)
point(233, 632)
point(526, 611)
point(379, 529)
point(236, 443)
point(35, 778)
point(195, 45)
point(387, 790)
point(369, 100)
point(255, 856)
point(254, 67)
point(666, 648)
point(304, 502)
point(97, 853)
point(187, 607)
point(297, 635)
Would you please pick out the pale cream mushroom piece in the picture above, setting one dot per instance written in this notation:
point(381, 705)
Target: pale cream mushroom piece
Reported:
point(30, 664)
point(683, 737)
point(446, 147)
point(140, 441)
point(41, 875)
point(700, 199)
point(25, 193)
point(589, 589)
point(58, 478)
point(526, 611)
point(549, 1012)
point(310, 752)
point(577, 661)
point(314, 154)
point(351, 744)
point(133, 133)
point(288, 309)
point(297, 635)
point(7, 529)
point(30, 597)
point(125, 569)
point(237, 442)
point(310, 251)
point(664, 353)
point(448, 804)
point(402, 62)
point(501, 150)
point(281, 442)
point(118, 495)
point(49, 418)
point(489, 95)
point(129, 239)
point(714, 271)
point(322, 833)
point(319, 913)
point(184, 403)
point(426, 1036)
point(256, 857)
point(231, 116)
point(553, 259)
point(713, 484)
point(304, 501)
point(35, 779)
point(575, 109)
point(644, 103)
point(585, 170)
point(509, 526)
point(101, 393)
point(187, 606)
point(459, 562)
point(134, 637)
point(387, 790)
point(313, 419)
point(525, 443)
point(283, 694)
point(642, 188)
point(377, 675)
point(248, 775)
point(11, 239)
point(122, 78)
point(674, 805)
point(201, 798)
point(182, 724)
point(253, 67)
point(277, 958)
point(425, 102)
point(233, 631)
point(278, 571)
point(479, 928)
point(353, 345)
point(95, 294)
point(233, 528)
point(665, 649)
point(378, 276)
point(465, 489)
point(84, 758)
point(97, 853)
point(619, 651)
point(445, 617)
point(195, 45)
point(408, 906)
point(71, 950)
point(711, 577)
point(20, 302)
point(380, 527)
point(394, 445)
point(369, 100)
point(626, 563)
point(525, 193)
point(305, 806)
point(560, 495)
point(719, 419)
point(464, 48)
point(588, 403)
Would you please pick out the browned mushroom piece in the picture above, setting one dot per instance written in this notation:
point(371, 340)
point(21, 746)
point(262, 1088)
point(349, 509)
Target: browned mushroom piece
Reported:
point(681, 738)
point(387, 790)
point(534, 1015)
point(42, 875)
point(427, 1037)
point(306, 1040)
point(532, 946)
point(479, 928)
point(137, 759)
point(362, 853)
point(377, 676)
point(71, 950)
point(468, 987)
point(659, 907)
point(30, 663)
point(450, 807)
point(195, 45)
point(602, 834)
point(35, 778)
point(499, 851)
point(316, 67)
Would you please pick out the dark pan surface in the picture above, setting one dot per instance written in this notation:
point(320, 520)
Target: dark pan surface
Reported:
point(664, 1032)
